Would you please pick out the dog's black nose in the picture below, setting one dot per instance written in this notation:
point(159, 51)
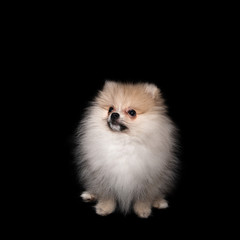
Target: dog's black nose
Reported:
point(115, 116)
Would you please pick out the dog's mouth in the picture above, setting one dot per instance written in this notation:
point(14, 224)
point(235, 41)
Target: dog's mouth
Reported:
point(117, 126)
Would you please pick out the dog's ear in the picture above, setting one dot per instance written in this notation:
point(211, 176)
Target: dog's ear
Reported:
point(152, 89)
point(109, 84)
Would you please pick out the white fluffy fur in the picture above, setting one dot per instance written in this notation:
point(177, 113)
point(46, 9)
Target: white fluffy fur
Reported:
point(135, 165)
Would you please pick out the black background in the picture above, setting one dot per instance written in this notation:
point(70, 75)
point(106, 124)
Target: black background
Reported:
point(60, 75)
point(62, 95)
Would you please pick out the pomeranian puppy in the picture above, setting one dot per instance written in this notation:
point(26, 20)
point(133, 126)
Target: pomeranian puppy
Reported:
point(126, 149)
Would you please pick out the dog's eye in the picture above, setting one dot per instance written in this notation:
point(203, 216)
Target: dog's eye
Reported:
point(110, 109)
point(132, 112)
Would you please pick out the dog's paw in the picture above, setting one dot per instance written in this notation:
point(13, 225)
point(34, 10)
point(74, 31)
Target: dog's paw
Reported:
point(144, 213)
point(160, 204)
point(88, 197)
point(143, 210)
point(105, 208)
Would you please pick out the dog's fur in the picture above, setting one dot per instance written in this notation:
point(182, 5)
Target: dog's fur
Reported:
point(130, 161)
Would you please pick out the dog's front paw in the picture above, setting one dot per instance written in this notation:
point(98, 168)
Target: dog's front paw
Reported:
point(143, 210)
point(105, 208)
